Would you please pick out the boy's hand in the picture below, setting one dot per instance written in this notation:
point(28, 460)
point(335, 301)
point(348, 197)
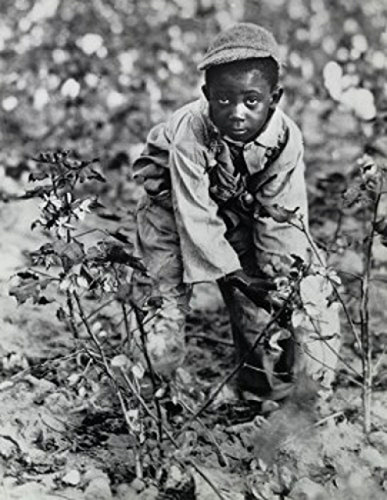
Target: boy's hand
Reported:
point(256, 289)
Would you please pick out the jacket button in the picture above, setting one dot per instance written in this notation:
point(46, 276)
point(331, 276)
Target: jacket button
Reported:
point(247, 198)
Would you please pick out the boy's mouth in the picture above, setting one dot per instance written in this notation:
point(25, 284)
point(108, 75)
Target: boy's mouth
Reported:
point(237, 129)
point(237, 132)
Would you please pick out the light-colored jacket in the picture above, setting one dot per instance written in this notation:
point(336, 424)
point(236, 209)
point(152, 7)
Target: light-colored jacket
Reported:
point(187, 145)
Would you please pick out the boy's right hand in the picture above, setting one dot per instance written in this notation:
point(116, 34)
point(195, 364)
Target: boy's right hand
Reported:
point(256, 289)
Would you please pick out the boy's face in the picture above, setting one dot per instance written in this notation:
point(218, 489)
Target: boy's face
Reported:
point(240, 102)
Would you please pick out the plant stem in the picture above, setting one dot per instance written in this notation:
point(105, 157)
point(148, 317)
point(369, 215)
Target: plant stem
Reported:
point(150, 369)
point(128, 333)
point(70, 307)
point(366, 336)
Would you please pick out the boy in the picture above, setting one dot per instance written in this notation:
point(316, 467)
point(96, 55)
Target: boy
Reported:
point(206, 172)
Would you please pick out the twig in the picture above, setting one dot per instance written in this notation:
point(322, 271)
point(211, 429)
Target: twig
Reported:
point(310, 427)
point(97, 310)
point(339, 357)
point(214, 340)
point(90, 331)
point(19, 375)
point(379, 361)
point(353, 380)
point(13, 441)
point(45, 275)
point(347, 315)
point(138, 465)
point(95, 230)
point(221, 456)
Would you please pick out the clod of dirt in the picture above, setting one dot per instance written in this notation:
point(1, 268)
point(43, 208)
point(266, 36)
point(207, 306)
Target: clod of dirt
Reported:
point(226, 484)
point(373, 458)
point(379, 440)
point(137, 484)
point(98, 489)
point(260, 487)
point(306, 489)
point(179, 484)
point(7, 448)
point(72, 478)
point(150, 493)
point(94, 473)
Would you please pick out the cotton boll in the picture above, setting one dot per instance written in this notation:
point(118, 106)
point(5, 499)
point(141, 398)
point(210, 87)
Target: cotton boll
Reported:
point(342, 54)
point(127, 60)
point(90, 43)
point(70, 88)
point(10, 103)
point(359, 43)
point(379, 60)
point(350, 26)
point(115, 99)
point(333, 74)
point(329, 45)
point(41, 98)
point(92, 80)
point(360, 101)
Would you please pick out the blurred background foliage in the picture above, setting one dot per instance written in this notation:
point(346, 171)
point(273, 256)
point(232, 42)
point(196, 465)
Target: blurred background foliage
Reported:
point(95, 76)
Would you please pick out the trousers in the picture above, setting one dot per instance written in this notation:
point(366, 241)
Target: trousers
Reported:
point(271, 369)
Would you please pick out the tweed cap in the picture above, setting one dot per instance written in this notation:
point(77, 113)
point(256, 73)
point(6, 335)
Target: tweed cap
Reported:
point(241, 41)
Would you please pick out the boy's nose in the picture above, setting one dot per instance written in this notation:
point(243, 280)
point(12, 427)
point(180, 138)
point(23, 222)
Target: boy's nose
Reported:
point(237, 112)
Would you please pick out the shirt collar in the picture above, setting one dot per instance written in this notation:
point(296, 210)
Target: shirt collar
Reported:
point(267, 138)
point(271, 132)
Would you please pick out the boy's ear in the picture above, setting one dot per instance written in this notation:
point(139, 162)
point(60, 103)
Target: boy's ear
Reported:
point(206, 92)
point(276, 96)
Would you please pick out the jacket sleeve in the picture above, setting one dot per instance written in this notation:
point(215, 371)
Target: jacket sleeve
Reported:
point(286, 188)
point(207, 255)
point(151, 167)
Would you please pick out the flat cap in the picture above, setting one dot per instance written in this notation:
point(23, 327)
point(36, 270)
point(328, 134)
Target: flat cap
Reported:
point(241, 41)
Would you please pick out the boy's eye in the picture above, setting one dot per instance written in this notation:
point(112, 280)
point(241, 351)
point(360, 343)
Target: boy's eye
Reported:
point(223, 100)
point(252, 101)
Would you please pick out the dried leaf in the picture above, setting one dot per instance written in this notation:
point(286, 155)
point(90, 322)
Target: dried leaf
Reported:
point(138, 371)
point(381, 227)
point(29, 288)
point(279, 213)
point(120, 361)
